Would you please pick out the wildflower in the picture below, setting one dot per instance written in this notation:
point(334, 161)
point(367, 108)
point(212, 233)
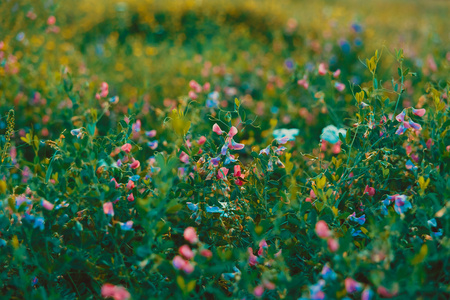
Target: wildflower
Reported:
point(130, 185)
point(401, 116)
point(116, 185)
point(108, 209)
point(51, 20)
point(265, 151)
point(361, 220)
point(127, 226)
point(367, 294)
point(2, 243)
point(126, 147)
point(222, 174)
point(369, 190)
point(304, 83)
point(322, 69)
point(415, 125)
point(252, 260)
point(201, 140)
point(114, 100)
point(206, 253)
point(215, 161)
point(315, 290)
point(190, 234)
point(352, 286)
point(327, 273)
point(151, 133)
point(180, 264)
point(419, 112)
point(401, 204)
point(235, 146)
point(186, 252)
point(217, 129)
point(47, 205)
point(333, 244)
point(337, 73)
point(130, 197)
point(77, 132)
point(213, 209)
point(193, 95)
point(383, 292)
point(331, 134)
point(135, 164)
point(401, 130)
point(184, 157)
point(237, 171)
point(322, 229)
point(410, 166)
point(115, 292)
point(288, 134)
point(34, 281)
point(258, 291)
point(39, 223)
point(339, 86)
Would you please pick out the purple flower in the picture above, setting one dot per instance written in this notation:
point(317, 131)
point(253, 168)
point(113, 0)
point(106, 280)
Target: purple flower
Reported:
point(265, 151)
point(215, 161)
point(153, 145)
point(401, 129)
point(402, 204)
point(415, 125)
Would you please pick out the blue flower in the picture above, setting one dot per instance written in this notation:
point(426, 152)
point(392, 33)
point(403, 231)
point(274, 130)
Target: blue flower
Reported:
point(126, 226)
point(265, 151)
point(410, 166)
point(2, 243)
point(213, 209)
point(331, 134)
point(289, 134)
point(135, 178)
point(191, 206)
point(39, 223)
point(401, 204)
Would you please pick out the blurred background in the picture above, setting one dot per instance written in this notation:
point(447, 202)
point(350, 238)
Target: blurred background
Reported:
point(149, 50)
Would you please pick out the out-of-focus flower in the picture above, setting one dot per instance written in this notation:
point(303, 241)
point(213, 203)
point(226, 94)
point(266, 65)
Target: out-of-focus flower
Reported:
point(108, 208)
point(47, 205)
point(190, 234)
point(285, 134)
point(331, 134)
point(115, 292)
point(419, 112)
point(322, 229)
point(352, 286)
point(322, 69)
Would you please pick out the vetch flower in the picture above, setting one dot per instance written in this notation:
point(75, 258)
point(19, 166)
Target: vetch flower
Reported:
point(410, 166)
point(333, 244)
point(401, 116)
point(401, 129)
point(39, 223)
point(415, 125)
point(258, 291)
point(126, 226)
point(135, 164)
point(47, 205)
point(339, 86)
point(126, 147)
point(108, 209)
point(130, 185)
point(153, 144)
point(115, 292)
point(222, 173)
point(217, 129)
point(352, 286)
point(402, 204)
point(77, 132)
point(322, 69)
point(322, 229)
point(186, 252)
point(331, 134)
point(367, 294)
point(327, 273)
point(130, 197)
point(361, 220)
point(369, 190)
point(419, 112)
point(289, 134)
point(190, 234)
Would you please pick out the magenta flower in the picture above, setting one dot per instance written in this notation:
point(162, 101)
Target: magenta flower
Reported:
point(206, 253)
point(415, 125)
point(186, 252)
point(115, 292)
point(401, 129)
point(184, 157)
point(369, 190)
point(258, 291)
point(233, 131)
point(217, 129)
point(419, 112)
point(222, 174)
point(190, 235)
point(252, 260)
point(115, 183)
point(108, 209)
point(322, 69)
point(339, 86)
point(333, 244)
point(235, 146)
point(135, 164)
point(322, 229)
point(47, 205)
point(130, 185)
point(126, 147)
point(352, 286)
point(337, 73)
point(401, 116)
point(237, 171)
point(130, 197)
point(180, 264)
point(304, 83)
point(201, 140)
